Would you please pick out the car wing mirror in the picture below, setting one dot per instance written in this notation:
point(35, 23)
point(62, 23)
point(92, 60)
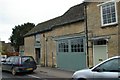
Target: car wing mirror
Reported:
point(98, 69)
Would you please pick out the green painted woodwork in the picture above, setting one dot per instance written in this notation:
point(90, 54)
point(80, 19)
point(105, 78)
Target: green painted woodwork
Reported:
point(71, 61)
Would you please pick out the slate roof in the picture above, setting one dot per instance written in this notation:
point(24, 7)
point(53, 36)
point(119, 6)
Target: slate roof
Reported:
point(74, 14)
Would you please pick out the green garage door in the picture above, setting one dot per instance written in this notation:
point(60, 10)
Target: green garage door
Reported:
point(71, 54)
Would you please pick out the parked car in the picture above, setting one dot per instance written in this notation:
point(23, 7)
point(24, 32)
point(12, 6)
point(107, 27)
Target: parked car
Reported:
point(16, 64)
point(106, 70)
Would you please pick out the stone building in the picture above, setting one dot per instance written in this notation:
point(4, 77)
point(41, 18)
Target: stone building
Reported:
point(103, 30)
point(62, 42)
point(59, 41)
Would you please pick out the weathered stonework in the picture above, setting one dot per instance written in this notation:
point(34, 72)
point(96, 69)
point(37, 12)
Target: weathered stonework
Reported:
point(48, 38)
point(49, 43)
point(95, 28)
point(29, 46)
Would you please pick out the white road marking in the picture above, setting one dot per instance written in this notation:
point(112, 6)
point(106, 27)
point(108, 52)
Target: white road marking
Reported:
point(34, 76)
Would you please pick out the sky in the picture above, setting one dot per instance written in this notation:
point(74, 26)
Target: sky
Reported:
point(17, 12)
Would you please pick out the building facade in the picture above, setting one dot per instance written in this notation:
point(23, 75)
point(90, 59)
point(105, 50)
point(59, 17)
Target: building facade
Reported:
point(103, 27)
point(61, 42)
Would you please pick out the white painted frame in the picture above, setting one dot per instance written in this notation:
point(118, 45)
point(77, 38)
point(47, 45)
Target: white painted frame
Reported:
point(94, 53)
point(116, 14)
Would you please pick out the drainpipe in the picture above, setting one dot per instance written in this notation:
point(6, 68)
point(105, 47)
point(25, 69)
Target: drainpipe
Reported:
point(46, 53)
point(86, 32)
point(118, 28)
point(44, 49)
point(52, 60)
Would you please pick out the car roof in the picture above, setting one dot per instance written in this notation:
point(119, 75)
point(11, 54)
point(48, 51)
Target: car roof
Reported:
point(114, 57)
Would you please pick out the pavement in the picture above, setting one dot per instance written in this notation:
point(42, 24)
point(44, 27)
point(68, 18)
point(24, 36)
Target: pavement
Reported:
point(55, 72)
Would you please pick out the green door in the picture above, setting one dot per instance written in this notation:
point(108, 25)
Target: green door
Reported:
point(71, 54)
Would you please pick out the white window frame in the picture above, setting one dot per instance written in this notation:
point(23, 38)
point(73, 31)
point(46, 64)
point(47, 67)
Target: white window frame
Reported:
point(69, 48)
point(102, 14)
point(76, 42)
point(63, 46)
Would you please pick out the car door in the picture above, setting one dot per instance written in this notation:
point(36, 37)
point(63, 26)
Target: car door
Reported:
point(11, 62)
point(109, 70)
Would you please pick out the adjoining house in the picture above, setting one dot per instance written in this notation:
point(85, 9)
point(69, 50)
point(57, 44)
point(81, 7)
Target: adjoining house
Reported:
point(61, 42)
point(103, 21)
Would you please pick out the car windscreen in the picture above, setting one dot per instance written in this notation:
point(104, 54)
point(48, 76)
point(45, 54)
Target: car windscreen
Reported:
point(27, 59)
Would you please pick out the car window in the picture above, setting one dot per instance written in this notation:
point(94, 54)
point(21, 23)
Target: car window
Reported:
point(12, 59)
point(110, 66)
point(16, 60)
point(8, 59)
point(27, 59)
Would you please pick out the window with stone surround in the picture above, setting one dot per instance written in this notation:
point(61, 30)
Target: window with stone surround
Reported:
point(108, 13)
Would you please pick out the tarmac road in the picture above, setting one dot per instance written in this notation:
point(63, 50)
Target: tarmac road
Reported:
point(28, 76)
point(41, 73)
point(20, 76)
